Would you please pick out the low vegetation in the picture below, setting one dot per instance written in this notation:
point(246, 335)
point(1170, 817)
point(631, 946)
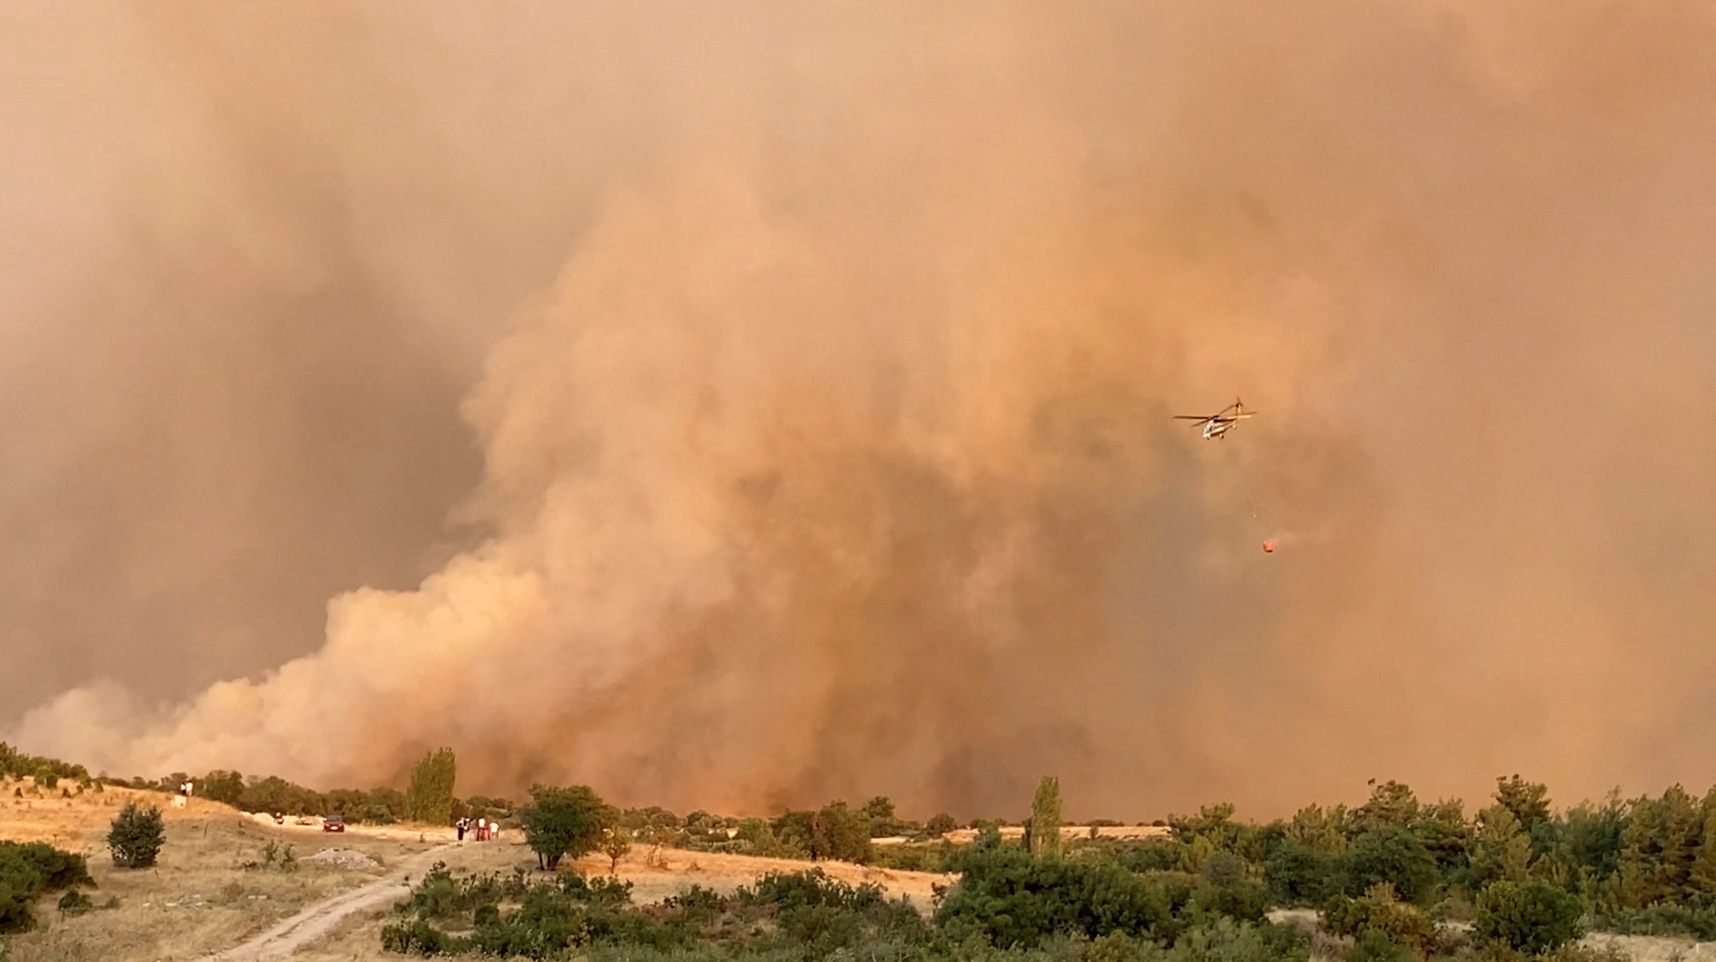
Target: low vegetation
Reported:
point(1023, 906)
point(27, 872)
point(136, 836)
point(1384, 876)
point(45, 772)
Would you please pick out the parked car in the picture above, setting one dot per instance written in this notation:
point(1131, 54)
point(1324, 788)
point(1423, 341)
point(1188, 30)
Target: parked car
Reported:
point(333, 823)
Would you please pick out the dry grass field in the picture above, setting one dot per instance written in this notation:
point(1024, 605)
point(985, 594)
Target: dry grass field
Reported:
point(201, 899)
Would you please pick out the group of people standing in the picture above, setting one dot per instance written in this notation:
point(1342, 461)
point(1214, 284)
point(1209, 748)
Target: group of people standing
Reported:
point(485, 829)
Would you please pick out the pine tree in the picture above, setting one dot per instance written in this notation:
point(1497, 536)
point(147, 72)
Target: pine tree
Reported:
point(430, 795)
point(1500, 850)
point(1322, 830)
point(1703, 875)
point(1661, 843)
point(1528, 802)
point(1045, 824)
point(135, 837)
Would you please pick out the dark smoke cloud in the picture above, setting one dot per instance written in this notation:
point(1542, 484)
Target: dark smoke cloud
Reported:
point(826, 355)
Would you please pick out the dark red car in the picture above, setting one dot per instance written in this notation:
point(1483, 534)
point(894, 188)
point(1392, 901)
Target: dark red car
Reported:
point(333, 823)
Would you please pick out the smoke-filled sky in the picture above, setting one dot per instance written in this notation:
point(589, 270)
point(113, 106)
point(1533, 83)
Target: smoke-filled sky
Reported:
point(743, 405)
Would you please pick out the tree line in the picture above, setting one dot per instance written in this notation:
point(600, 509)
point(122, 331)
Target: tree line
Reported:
point(1645, 864)
point(1386, 878)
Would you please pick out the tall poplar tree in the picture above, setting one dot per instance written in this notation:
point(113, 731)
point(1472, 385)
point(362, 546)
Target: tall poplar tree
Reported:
point(430, 796)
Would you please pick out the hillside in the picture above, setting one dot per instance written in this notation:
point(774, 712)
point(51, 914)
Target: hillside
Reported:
point(201, 899)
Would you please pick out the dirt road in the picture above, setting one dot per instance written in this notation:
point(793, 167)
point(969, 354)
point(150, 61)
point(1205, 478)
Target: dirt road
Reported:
point(319, 919)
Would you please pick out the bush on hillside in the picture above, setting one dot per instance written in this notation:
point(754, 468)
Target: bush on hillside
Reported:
point(1011, 898)
point(1533, 918)
point(136, 836)
point(782, 916)
point(75, 903)
point(27, 872)
point(1393, 855)
point(1697, 922)
point(1379, 916)
point(1298, 874)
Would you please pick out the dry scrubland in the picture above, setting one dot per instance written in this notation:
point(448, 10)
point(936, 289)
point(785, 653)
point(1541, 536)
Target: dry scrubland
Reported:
point(200, 900)
point(654, 873)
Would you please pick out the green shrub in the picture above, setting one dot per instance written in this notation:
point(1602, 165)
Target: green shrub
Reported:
point(439, 896)
point(136, 836)
point(1393, 855)
point(1156, 855)
point(1016, 900)
point(1534, 918)
point(800, 916)
point(416, 938)
point(1224, 868)
point(27, 872)
point(16, 908)
point(1226, 940)
point(1398, 923)
point(75, 903)
point(1698, 922)
point(1298, 874)
point(546, 924)
point(1374, 945)
point(1242, 902)
point(914, 858)
point(53, 868)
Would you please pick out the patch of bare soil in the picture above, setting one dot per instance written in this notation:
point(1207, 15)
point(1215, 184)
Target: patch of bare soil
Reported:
point(318, 920)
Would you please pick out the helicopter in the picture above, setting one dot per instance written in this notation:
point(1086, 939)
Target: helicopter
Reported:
point(1218, 424)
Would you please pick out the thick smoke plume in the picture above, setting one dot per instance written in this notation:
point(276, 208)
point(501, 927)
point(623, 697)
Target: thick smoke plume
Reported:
point(822, 416)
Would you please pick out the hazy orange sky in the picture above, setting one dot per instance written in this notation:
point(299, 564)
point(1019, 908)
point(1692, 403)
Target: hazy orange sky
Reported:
point(742, 405)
